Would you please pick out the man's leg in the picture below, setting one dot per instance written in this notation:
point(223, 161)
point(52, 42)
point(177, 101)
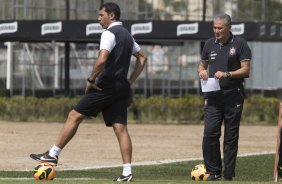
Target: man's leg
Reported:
point(124, 142)
point(233, 112)
point(125, 149)
point(211, 139)
point(68, 131)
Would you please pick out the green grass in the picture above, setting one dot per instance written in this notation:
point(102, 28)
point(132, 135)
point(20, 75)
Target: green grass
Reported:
point(252, 169)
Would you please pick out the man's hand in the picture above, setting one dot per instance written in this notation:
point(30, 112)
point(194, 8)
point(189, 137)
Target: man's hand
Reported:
point(202, 70)
point(220, 74)
point(90, 86)
point(203, 74)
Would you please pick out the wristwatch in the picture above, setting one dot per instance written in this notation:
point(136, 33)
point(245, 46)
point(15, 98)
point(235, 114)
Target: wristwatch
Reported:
point(228, 75)
point(91, 81)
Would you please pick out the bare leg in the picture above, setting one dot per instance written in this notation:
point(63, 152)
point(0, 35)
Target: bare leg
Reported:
point(124, 142)
point(69, 129)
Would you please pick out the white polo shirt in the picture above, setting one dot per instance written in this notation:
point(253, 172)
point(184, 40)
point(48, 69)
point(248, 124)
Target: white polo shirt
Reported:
point(108, 41)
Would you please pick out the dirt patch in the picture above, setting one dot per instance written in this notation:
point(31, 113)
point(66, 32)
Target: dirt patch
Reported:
point(96, 146)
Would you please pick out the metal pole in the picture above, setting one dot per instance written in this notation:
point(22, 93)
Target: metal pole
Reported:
point(67, 56)
point(14, 11)
point(204, 10)
point(67, 68)
point(23, 79)
point(56, 66)
point(67, 9)
point(203, 19)
point(9, 65)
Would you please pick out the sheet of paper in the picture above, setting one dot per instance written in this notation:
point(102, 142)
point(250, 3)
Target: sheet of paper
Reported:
point(209, 85)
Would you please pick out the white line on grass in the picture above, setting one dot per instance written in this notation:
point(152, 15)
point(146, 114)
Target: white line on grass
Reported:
point(158, 162)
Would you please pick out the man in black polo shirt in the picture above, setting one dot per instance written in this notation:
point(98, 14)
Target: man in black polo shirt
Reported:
point(225, 57)
point(107, 89)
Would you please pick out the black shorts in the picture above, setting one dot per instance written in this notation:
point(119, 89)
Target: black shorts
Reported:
point(112, 101)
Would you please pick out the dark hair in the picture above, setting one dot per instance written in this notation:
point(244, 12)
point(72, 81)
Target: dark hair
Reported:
point(111, 8)
point(225, 17)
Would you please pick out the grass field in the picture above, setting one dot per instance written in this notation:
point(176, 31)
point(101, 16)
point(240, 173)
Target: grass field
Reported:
point(251, 169)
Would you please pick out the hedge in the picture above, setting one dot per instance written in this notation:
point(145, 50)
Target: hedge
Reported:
point(35, 109)
point(155, 109)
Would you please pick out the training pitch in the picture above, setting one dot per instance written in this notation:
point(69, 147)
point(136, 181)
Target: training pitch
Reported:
point(95, 146)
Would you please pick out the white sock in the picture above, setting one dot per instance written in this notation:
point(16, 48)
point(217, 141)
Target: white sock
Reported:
point(126, 169)
point(55, 151)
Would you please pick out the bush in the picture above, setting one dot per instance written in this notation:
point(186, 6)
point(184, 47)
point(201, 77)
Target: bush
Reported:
point(35, 109)
point(258, 109)
point(166, 109)
point(189, 109)
point(155, 109)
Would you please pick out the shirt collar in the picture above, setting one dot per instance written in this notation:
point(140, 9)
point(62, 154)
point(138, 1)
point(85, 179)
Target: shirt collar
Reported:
point(117, 23)
point(230, 39)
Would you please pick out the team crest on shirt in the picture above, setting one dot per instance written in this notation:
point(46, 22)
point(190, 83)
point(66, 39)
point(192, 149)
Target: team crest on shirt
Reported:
point(232, 51)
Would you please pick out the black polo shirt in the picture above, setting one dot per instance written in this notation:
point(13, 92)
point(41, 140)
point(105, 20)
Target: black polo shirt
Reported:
point(226, 57)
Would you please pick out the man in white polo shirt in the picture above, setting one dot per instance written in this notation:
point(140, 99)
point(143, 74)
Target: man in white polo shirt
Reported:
point(107, 89)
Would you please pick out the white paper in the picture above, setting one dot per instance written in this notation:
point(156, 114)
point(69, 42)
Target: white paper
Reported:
point(209, 85)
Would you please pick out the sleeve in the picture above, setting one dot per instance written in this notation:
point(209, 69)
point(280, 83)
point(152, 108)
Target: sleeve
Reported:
point(136, 47)
point(107, 41)
point(245, 52)
point(205, 53)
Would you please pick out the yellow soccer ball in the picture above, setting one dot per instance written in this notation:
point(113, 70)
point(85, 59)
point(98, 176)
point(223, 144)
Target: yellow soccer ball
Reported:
point(44, 171)
point(198, 173)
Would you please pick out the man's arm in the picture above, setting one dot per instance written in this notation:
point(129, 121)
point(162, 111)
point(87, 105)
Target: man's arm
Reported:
point(202, 70)
point(97, 68)
point(141, 60)
point(242, 72)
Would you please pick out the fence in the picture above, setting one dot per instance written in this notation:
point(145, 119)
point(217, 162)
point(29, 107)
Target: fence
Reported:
point(38, 69)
